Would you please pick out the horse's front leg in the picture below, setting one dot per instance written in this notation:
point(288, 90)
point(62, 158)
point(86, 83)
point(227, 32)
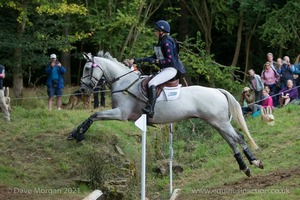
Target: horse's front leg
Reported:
point(78, 133)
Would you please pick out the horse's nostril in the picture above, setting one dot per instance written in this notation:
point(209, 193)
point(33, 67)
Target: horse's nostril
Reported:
point(82, 90)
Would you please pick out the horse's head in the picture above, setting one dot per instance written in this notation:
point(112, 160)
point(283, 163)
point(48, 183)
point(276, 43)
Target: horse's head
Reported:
point(91, 75)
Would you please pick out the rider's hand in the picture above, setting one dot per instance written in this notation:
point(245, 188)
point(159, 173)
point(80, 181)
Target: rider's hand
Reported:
point(128, 62)
point(137, 60)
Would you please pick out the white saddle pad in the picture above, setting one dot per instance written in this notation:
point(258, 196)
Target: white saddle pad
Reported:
point(169, 93)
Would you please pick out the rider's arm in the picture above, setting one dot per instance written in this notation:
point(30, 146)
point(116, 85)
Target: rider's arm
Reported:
point(151, 59)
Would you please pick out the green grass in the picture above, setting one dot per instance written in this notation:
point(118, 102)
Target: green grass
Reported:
point(35, 154)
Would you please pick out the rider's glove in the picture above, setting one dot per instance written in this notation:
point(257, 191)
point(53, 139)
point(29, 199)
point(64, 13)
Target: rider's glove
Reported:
point(137, 60)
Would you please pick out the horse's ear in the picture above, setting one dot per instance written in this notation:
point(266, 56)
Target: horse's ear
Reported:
point(87, 56)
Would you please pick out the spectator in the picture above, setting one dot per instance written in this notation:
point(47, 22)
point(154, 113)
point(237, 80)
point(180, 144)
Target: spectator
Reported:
point(256, 84)
point(286, 71)
point(297, 74)
point(267, 88)
point(273, 64)
point(266, 101)
point(288, 94)
point(55, 81)
point(246, 100)
point(100, 88)
point(270, 77)
point(3, 105)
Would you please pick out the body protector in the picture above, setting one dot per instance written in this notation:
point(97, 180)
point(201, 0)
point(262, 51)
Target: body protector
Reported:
point(168, 58)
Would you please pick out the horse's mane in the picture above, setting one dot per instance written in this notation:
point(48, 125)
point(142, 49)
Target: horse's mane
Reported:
point(107, 55)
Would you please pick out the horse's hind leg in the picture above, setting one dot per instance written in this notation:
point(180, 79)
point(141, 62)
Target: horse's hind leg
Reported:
point(248, 153)
point(231, 137)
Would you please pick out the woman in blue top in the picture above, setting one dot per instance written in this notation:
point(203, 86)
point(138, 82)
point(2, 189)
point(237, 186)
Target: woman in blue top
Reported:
point(166, 58)
point(297, 73)
point(55, 81)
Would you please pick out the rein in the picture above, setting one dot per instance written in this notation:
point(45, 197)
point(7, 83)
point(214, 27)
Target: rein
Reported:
point(110, 82)
point(118, 78)
point(128, 92)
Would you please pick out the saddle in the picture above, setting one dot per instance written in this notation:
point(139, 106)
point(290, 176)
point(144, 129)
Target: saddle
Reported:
point(159, 88)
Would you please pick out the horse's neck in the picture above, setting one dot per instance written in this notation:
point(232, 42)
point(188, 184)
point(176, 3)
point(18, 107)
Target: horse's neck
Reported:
point(113, 70)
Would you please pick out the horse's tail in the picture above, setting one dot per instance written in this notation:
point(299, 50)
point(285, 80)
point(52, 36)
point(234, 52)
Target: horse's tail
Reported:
point(236, 112)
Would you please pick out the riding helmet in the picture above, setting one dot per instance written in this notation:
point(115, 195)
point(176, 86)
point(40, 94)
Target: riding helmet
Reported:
point(162, 25)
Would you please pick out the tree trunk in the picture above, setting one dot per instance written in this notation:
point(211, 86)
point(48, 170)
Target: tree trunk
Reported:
point(239, 41)
point(183, 21)
point(65, 61)
point(248, 44)
point(17, 75)
point(66, 56)
point(204, 19)
point(17, 70)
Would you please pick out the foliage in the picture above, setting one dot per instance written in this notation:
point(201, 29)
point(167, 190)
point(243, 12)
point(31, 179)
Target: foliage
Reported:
point(199, 63)
point(31, 29)
point(282, 26)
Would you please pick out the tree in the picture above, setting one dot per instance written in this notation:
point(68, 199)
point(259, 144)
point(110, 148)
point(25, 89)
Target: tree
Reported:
point(282, 26)
point(117, 26)
point(31, 35)
point(210, 14)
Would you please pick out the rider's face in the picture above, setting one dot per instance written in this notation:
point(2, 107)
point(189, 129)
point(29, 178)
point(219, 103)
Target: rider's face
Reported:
point(157, 33)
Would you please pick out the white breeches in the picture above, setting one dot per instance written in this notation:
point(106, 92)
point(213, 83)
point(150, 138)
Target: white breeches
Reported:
point(163, 76)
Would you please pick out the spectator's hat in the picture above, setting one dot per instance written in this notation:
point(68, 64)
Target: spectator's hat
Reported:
point(52, 56)
point(246, 89)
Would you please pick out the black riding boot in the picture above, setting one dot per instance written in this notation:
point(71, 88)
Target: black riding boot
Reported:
point(149, 110)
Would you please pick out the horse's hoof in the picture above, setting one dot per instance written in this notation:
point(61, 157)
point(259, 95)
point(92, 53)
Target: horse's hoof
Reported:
point(73, 135)
point(70, 137)
point(247, 172)
point(260, 165)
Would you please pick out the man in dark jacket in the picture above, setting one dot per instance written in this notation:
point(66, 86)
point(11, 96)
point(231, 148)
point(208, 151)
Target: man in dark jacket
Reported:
point(55, 81)
point(100, 88)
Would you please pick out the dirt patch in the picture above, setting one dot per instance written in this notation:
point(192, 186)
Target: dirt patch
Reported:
point(254, 184)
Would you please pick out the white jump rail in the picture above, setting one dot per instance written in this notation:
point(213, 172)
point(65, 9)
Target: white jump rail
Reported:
point(94, 195)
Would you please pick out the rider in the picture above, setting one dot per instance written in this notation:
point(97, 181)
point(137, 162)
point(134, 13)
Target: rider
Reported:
point(166, 57)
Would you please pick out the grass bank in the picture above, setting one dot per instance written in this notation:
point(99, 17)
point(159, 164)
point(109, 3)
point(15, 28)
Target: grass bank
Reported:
point(37, 162)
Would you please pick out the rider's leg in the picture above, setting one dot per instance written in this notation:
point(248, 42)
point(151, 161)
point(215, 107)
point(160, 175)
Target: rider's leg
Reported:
point(165, 75)
point(151, 101)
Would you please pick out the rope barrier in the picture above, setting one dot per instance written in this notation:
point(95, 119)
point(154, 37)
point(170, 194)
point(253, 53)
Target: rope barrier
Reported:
point(46, 97)
point(273, 95)
point(64, 95)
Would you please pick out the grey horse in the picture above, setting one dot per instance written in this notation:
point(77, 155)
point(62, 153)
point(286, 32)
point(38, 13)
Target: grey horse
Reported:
point(214, 106)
